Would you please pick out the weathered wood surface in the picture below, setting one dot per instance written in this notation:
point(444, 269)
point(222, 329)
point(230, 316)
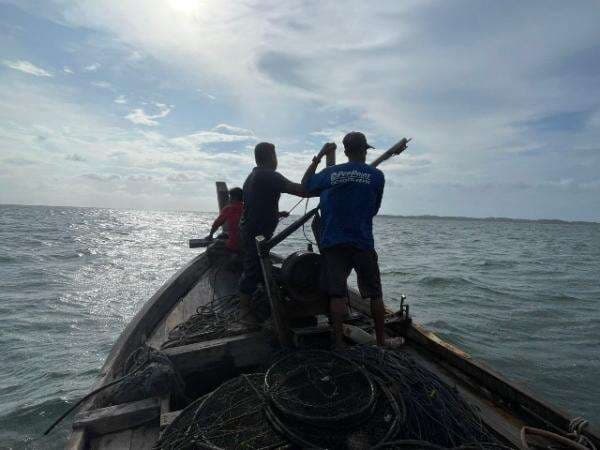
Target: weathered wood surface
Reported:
point(118, 417)
point(144, 437)
point(167, 418)
point(120, 440)
point(486, 378)
point(77, 440)
point(238, 351)
point(503, 422)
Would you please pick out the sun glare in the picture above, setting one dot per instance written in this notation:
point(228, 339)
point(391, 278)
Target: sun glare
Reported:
point(188, 7)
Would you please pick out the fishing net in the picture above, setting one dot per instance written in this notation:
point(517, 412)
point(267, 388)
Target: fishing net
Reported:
point(362, 397)
point(218, 319)
point(385, 416)
point(319, 387)
point(436, 413)
point(408, 445)
point(232, 416)
point(146, 373)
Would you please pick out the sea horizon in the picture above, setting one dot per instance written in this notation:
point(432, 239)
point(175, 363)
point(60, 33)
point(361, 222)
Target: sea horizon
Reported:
point(403, 216)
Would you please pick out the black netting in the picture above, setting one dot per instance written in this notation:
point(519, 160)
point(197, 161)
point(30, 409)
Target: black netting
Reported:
point(232, 416)
point(436, 412)
point(380, 425)
point(359, 398)
point(319, 387)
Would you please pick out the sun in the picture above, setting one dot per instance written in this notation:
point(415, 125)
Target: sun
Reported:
point(188, 7)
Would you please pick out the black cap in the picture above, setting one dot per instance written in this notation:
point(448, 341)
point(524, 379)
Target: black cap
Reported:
point(355, 140)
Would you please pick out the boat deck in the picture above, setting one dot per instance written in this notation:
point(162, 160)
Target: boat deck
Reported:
point(211, 362)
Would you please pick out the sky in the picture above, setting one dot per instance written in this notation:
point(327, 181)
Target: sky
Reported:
point(129, 104)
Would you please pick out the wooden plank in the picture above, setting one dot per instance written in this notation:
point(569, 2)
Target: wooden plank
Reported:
point(144, 437)
point(118, 417)
point(240, 351)
point(167, 418)
point(362, 304)
point(498, 418)
point(551, 417)
point(120, 440)
point(272, 289)
point(199, 295)
point(77, 440)
point(175, 317)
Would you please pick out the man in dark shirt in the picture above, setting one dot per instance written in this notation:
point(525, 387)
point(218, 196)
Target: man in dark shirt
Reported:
point(351, 195)
point(262, 190)
point(230, 217)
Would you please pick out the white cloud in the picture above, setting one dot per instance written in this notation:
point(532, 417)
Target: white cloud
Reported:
point(229, 129)
point(92, 67)
point(207, 95)
point(102, 84)
point(67, 70)
point(27, 67)
point(120, 100)
point(139, 116)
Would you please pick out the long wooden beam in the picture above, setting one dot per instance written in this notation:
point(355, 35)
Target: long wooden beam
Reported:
point(240, 351)
point(117, 417)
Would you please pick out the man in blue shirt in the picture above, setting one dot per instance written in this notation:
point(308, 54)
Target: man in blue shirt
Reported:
point(351, 195)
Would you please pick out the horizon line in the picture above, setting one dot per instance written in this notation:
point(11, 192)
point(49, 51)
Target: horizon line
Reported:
point(405, 216)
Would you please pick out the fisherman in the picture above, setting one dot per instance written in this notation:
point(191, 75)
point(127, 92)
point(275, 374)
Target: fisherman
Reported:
point(260, 216)
point(230, 218)
point(350, 196)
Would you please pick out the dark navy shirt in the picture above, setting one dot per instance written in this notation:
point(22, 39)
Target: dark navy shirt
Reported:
point(350, 197)
point(262, 190)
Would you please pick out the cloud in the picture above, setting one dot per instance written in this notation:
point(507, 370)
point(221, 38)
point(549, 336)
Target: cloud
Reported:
point(121, 100)
point(75, 157)
point(139, 116)
point(67, 70)
point(101, 178)
point(92, 67)
point(456, 77)
point(179, 178)
point(228, 129)
point(101, 84)
point(207, 95)
point(27, 67)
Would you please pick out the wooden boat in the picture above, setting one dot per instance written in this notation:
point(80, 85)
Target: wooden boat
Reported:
point(504, 407)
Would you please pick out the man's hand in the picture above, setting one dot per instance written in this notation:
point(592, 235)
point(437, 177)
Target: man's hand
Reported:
point(283, 214)
point(327, 148)
point(209, 237)
point(399, 147)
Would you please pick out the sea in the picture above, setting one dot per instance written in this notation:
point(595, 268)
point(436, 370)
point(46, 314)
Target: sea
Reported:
point(523, 297)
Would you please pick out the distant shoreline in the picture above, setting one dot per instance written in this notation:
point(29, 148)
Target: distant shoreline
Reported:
point(422, 216)
point(495, 219)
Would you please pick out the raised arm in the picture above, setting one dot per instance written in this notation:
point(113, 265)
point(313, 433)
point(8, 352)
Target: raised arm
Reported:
point(310, 171)
point(395, 149)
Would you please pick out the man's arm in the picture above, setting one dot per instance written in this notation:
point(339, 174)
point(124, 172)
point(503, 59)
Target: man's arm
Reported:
point(217, 223)
point(395, 149)
point(379, 194)
point(310, 171)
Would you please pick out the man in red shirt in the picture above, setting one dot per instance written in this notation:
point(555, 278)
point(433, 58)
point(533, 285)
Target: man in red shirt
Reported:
point(230, 216)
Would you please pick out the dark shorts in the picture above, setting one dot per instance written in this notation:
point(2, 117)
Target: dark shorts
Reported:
point(338, 262)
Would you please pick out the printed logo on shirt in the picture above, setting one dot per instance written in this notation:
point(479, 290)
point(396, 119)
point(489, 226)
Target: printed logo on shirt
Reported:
point(350, 176)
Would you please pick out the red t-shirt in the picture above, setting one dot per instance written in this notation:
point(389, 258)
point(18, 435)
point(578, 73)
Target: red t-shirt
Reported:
point(231, 215)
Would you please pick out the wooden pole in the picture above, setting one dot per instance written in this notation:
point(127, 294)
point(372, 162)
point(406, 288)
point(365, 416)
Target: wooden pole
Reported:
point(272, 290)
point(222, 198)
point(330, 158)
